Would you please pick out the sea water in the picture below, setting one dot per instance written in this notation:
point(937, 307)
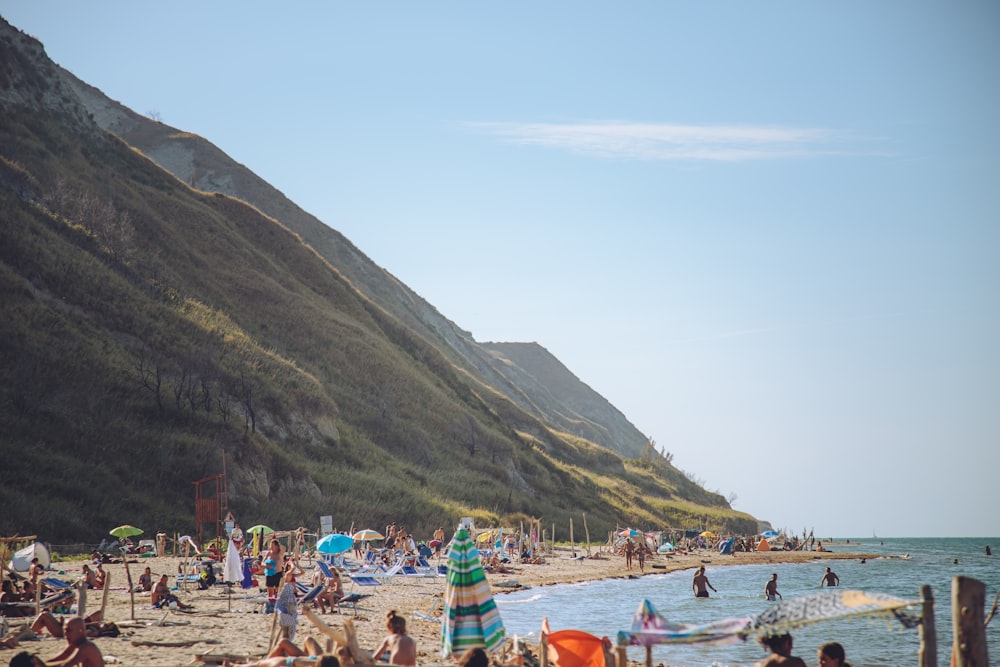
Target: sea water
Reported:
point(604, 607)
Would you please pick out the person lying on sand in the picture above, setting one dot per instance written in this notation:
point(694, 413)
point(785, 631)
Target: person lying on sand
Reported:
point(285, 653)
point(46, 621)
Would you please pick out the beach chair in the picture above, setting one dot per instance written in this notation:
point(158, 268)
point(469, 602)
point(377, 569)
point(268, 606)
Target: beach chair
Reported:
point(351, 601)
point(431, 614)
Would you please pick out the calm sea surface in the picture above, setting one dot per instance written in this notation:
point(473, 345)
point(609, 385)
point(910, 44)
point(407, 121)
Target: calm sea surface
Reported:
point(605, 607)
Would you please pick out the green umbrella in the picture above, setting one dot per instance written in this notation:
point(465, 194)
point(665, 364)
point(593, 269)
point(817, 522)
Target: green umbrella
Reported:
point(125, 530)
point(260, 528)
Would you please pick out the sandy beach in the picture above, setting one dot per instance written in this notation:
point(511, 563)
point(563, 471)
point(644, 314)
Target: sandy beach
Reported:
point(237, 626)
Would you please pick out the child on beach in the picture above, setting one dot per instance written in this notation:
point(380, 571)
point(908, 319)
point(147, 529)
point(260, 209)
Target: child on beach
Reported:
point(402, 649)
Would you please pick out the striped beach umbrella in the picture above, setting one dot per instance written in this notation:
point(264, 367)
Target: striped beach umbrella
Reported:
point(471, 618)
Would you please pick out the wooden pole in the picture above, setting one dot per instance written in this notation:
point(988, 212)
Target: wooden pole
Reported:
point(572, 542)
point(543, 650)
point(131, 589)
point(81, 598)
point(586, 532)
point(649, 656)
point(553, 533)
point(104, 597)
point(968, 598)
point(927, 631)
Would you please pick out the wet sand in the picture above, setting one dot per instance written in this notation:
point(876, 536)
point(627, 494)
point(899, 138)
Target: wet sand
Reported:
point(236, 625)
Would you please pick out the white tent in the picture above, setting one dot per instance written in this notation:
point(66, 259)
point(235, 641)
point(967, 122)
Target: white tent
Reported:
point(22, 557)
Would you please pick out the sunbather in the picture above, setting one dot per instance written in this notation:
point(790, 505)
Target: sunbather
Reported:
point(285, 653)
point(55, 626)
point(333, 591)
point(161, 596)
point(79, 651)
point(402, 649)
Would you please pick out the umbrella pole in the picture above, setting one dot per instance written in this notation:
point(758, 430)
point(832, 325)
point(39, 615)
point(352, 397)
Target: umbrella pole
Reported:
point(649, 656)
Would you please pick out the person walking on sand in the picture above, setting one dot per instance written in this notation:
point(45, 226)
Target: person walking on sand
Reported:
point(771, 588)
point(629, 550)
point(402, 649)
point(700, 584)
point(829, 579)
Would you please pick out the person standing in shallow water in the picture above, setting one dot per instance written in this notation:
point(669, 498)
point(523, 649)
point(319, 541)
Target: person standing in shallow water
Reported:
point(830, 579)
point(700, 584)
point(771, 588)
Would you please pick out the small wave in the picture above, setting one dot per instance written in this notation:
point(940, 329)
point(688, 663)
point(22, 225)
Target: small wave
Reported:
point(506, 601)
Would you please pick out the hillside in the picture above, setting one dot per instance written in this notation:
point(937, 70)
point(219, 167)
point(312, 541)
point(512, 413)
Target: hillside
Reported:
point(151, 325)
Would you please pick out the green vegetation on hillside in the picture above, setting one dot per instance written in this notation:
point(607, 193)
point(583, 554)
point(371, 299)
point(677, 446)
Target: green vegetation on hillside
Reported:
point(148, 327)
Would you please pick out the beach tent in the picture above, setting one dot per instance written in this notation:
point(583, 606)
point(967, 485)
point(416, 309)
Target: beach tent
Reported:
point(726, 547)
point(22, 557)
point(471, 618)
point(574, 648)
point(763, 545)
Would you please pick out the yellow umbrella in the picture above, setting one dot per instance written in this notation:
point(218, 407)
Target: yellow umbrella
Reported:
point(707, 533)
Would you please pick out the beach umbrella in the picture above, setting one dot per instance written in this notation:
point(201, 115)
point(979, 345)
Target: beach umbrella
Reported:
point(260, 528)
point(471, 618)
point(834, 603)
point(707, 534)
point(334, 543)
point(630, 532)
point(125, 530)
point(769, 534)
point(367, 534)
point(232, 570)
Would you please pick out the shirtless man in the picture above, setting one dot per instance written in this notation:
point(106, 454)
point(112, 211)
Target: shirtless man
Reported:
point(771, 588)
point(781, 653)
point(700, 584)
point(79, 651)
point(829, 579)
point(161, 595)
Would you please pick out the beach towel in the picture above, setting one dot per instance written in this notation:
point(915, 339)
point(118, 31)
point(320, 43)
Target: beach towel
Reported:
point(650, 628)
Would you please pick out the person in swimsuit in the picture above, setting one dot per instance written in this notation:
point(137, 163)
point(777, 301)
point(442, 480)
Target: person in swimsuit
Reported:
point(781, 652)
point(402, 649)
point(287, 654)
point(829, 579)
point(771, 588)
point(832, 655)
point(700, 584)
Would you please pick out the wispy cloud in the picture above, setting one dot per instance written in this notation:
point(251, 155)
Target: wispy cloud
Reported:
point(661, 141)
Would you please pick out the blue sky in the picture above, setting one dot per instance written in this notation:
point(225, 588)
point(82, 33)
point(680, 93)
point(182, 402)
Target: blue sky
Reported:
point(768, 233)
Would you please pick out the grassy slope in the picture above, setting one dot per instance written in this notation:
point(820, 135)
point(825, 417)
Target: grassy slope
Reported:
point(109, 266)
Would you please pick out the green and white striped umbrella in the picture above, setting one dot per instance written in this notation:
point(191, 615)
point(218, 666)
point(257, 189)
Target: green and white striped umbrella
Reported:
point(471, 617)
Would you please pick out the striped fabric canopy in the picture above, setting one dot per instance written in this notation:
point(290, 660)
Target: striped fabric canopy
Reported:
point(834, 603)
point(471, 617)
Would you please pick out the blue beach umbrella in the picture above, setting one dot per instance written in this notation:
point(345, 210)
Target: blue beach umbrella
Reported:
point(334, 543)
point(769, 534)
point(471, 618)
